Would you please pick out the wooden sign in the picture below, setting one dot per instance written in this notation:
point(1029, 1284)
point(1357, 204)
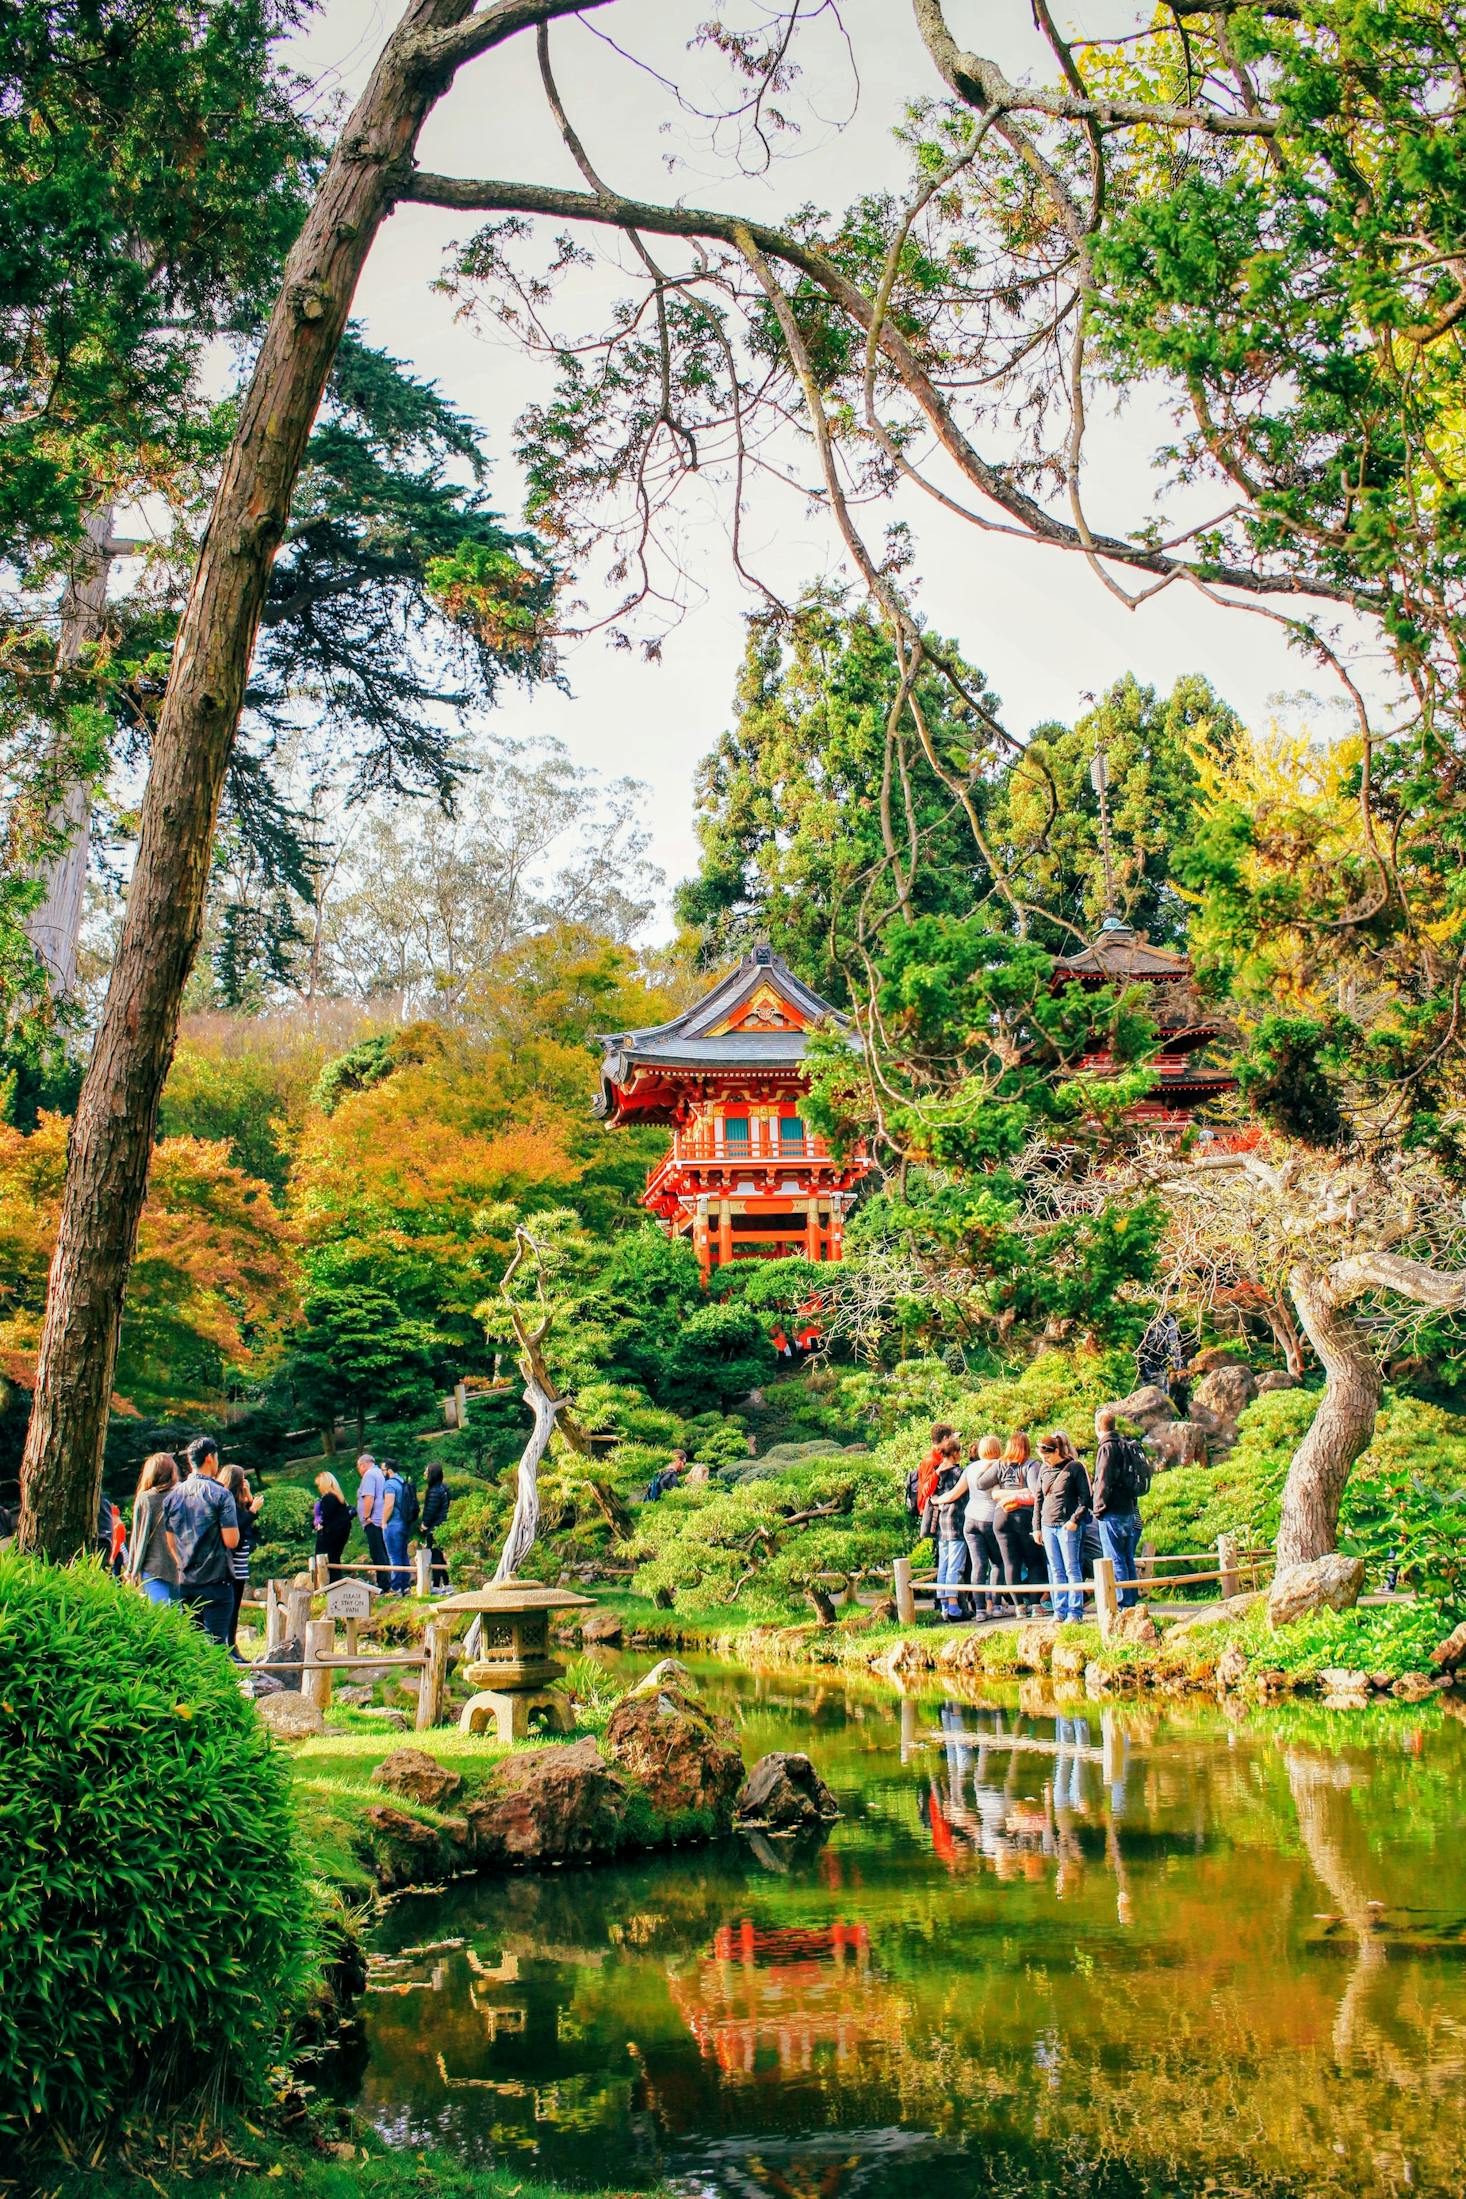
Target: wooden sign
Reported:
point(348, 1600)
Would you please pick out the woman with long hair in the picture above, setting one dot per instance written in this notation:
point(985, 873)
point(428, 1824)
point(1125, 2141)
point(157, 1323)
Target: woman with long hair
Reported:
point(151, 1559)
point(236, 1482)
point(332, 1517)
point(1015, 1489)
point(435, 1503)
point(1064, 1498)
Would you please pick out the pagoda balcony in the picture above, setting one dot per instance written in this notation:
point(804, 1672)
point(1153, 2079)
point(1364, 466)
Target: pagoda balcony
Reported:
point(694, 1153)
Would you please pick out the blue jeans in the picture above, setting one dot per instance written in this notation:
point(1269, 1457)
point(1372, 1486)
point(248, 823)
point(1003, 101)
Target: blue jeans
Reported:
point(395, 1536)
point(1120, 1534)
point(1065, 1554)
point(951, 1569)
point(158, 1591)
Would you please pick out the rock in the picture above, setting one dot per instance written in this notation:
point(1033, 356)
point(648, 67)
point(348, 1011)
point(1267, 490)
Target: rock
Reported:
point(1035, 1698)
point(289, 1716)
point(670, 1672)
point(1136, 1625)
point(1148, 1406)
point(1450, 1655)
point(961, 1653)
point(784, 1793)
point(1329, 1583)
point(1034, 1648)
point(903, 1658)
point(1214, 1355)
point(419, 1776)
point(352, 1697)
point(401, 1849)
point(287, 1659)
point(1273, 1682)
point(396, 1721)
point(1382, 1682)
point(1230, 1607)
point(1227, 1392)
point(1069, 1660)
point(260, 1684)
point(1276, 1379)
point(603, 1627)
point(1343, 1681)
point(562, 1804)
point(1177, 1443)
point(1413, 1687)
point(684, 1756)
point(1231, 1666)
point(1097, 1681)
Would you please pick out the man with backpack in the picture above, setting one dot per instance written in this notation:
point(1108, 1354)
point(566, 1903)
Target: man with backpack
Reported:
point(1121, 1478)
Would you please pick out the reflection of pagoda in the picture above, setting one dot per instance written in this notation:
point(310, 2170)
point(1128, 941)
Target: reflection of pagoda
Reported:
point(1124, 958)
point(784, 1992)
point(745, 1178)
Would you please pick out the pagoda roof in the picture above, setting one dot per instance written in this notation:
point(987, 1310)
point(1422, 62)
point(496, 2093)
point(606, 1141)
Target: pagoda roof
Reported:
point(1118, 952)
point(759, 1016)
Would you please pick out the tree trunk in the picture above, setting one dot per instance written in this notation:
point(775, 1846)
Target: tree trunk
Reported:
point(54, 929)
point(112, 1137)
point(1339, 1431)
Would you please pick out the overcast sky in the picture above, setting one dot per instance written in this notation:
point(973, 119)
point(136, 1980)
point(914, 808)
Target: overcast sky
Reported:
point(1040, 625)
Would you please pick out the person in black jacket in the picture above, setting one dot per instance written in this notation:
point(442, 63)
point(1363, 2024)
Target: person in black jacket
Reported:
point(333, 1518)
point(1064, 1502)
point(435, 1503)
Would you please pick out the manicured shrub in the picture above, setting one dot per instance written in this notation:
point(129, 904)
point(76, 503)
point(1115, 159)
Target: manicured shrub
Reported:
point(156, 1919)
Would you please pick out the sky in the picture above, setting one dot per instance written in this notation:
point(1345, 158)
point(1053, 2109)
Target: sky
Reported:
point(1042, 627)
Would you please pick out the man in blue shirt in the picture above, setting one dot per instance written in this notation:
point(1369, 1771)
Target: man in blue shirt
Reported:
point(203, 1525)
point(371, 1509)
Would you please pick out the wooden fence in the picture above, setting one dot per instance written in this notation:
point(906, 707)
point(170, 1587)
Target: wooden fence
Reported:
point(287, 1610)
point(1226, 1566)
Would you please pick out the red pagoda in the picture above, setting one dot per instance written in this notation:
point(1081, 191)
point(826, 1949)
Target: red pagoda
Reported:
point(745, 1178)
point(1121, 957)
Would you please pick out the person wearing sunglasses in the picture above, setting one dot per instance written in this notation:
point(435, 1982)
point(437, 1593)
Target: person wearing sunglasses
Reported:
point(1064, 1504)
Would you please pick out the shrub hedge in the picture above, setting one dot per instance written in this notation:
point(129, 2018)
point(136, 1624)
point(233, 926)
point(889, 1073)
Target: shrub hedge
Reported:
point(156, 1919)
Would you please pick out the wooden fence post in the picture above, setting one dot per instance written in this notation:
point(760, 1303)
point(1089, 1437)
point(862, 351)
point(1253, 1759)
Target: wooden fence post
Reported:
point(1145, 1564)
point(905, 1601)
point(1106, 1602)
point(316, 1678)
point(460, 1404)
point(297, 1611)
point(320, 1570)
point(436, 1643)
point(274, 1617)
point(1231, 1580)
point(424, 1569)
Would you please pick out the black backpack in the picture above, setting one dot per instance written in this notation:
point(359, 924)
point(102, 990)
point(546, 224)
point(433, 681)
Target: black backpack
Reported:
point(1130, 1468)
point(411, 1509)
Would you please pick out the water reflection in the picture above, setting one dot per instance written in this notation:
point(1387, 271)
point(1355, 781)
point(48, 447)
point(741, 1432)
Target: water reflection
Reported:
point(1145, 1951)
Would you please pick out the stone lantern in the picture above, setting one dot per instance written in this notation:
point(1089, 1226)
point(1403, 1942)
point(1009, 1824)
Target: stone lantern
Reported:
point(513, 1671)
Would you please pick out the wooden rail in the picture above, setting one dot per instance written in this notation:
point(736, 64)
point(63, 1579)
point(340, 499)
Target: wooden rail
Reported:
point(1101, 1588)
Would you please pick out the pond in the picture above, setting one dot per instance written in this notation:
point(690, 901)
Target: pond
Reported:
point(1140, 1950)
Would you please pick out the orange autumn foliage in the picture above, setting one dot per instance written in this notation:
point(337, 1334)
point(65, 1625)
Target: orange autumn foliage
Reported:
point(213, 1285)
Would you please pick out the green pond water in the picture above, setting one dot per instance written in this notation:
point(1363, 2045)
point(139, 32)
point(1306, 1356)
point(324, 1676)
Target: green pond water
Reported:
point(1130, 1951)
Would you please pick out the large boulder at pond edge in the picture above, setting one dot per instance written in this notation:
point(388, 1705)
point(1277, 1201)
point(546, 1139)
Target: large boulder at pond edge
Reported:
point(1450, 1655)
point(684, 1756)
point(419, 1776)
point(402, 1850)
point(289, 1716)
point(784, 1793)
point(1331, 1583)
point(601, 1627)
point(562, 1804)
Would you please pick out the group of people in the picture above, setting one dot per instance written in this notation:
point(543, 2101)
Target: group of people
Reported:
point(1004, 1517)
point(194, 1525)
point(388, 1510)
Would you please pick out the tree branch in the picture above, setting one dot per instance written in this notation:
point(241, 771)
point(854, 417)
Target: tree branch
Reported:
point(1350, 1278)
point(447, 50)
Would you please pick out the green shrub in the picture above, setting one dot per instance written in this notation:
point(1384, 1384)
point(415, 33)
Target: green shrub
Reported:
point(156, 1919)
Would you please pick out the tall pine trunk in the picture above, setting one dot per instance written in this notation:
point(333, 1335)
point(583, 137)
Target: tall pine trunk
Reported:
point(112, 1138)
point(1341, 1428)
point(54, 928)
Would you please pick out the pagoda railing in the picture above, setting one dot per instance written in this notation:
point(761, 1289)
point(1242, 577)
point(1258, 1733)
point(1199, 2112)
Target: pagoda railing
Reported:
point(703, 1145)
